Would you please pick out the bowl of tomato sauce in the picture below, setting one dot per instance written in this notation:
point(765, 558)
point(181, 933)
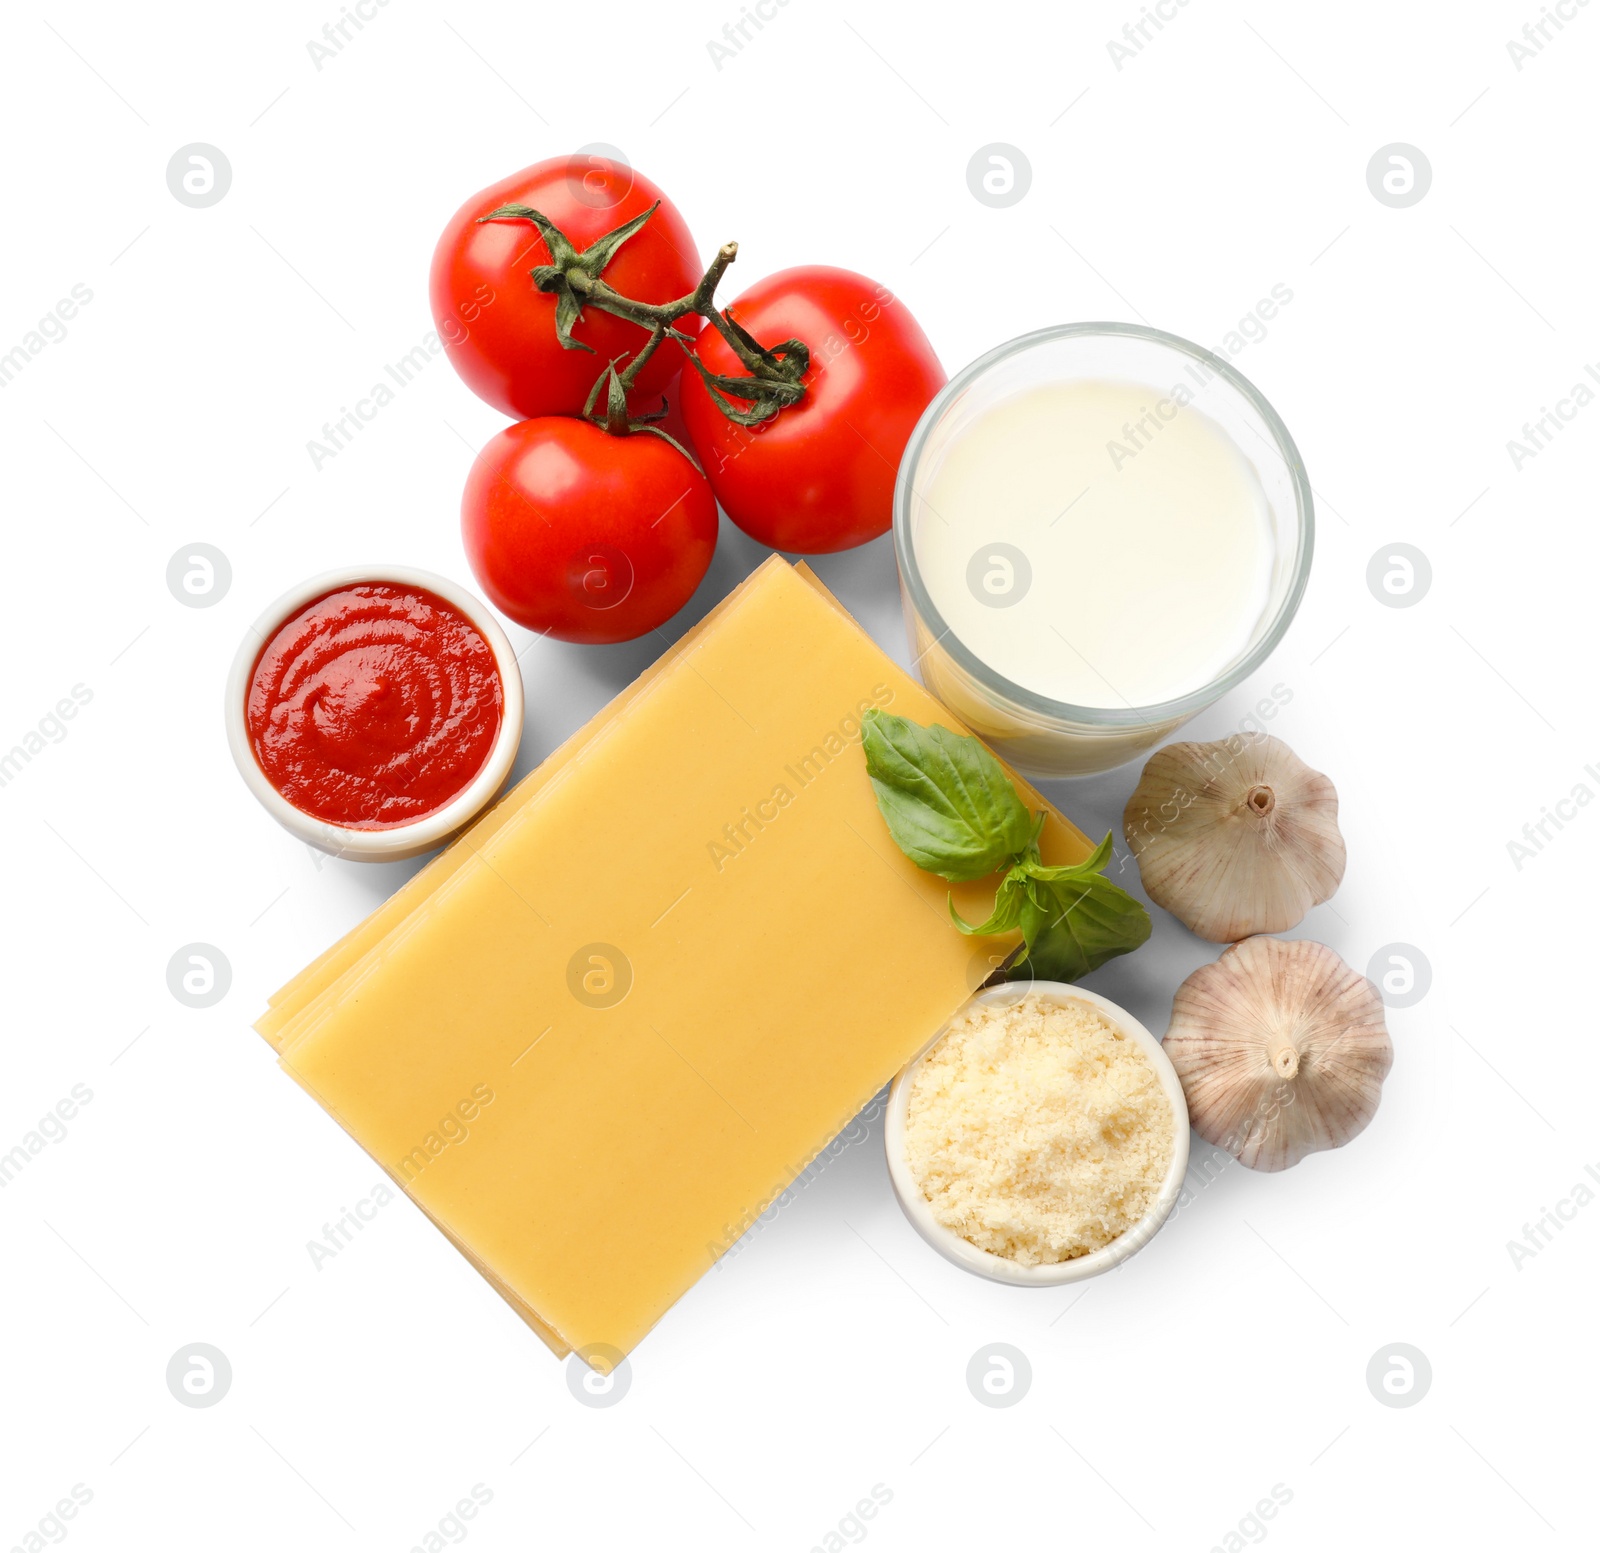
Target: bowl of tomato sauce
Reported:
point(374, 711)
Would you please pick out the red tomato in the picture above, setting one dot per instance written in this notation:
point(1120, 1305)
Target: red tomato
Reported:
point(499, 329)
point(584, 536)
point(820, 475)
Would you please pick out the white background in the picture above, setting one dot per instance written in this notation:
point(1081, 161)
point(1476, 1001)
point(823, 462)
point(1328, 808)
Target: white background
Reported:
point(1230, 1356)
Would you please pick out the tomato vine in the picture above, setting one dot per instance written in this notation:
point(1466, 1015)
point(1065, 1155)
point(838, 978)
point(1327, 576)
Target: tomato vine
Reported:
point(772, 379)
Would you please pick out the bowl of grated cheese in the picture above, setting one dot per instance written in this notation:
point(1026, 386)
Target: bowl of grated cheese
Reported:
point(1040, 1138)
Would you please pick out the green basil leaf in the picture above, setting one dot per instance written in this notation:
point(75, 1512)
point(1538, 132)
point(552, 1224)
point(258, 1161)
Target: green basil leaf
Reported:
point(947, 801)
point(1007, 911)
point(1092, 864)
point(1073, 921)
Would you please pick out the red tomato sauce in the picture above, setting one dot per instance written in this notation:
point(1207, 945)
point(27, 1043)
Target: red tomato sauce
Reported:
point(374, 705)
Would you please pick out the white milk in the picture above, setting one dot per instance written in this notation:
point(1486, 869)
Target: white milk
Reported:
point(1096, 543)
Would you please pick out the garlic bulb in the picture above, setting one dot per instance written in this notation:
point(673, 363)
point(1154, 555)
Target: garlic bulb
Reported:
point(1236, 837)
point(1281, 1049)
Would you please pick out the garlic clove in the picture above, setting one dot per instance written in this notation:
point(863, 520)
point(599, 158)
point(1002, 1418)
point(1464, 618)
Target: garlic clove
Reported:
point(1236, 837)
point(1281, 1049)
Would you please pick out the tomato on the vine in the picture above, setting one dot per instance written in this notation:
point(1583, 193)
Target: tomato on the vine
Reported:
point(586, 536)
point(817, 475)
point(499, 329)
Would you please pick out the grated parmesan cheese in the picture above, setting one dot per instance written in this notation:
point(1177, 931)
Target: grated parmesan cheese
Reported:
point(1037, 1130)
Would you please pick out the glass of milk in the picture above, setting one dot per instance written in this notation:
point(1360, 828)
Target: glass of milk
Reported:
point(1100, 530)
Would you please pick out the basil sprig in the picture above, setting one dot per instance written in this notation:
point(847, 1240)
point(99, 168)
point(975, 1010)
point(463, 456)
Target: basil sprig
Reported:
point(951, 808)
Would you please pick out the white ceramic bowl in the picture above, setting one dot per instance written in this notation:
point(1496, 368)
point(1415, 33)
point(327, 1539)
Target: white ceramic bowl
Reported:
point(1001, 1269)
point(398, 841)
